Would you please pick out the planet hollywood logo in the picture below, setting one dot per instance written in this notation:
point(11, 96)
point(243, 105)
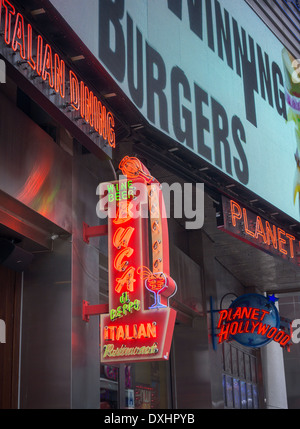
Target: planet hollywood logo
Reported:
point(253, 321)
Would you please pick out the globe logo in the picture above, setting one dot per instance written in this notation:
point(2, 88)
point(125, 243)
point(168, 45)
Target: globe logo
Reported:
point(271, 319)
point(253, 321)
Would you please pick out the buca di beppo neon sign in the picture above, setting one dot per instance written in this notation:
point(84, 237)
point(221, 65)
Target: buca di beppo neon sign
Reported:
point(136, 327)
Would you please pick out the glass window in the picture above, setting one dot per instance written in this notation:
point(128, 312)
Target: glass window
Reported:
point(243, 395)
point(135, 386)
point(239, 377)
point(236, 393)
point(241, 364)
point(255, 396)
point(249, 396)
point(228, 391)
point(109, 378)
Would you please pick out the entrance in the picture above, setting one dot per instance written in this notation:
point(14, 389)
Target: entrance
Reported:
point(10, 304)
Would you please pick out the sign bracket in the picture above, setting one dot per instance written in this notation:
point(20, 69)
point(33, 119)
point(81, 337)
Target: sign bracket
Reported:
point(92, 310)
point(87, 309)
point(93, 231)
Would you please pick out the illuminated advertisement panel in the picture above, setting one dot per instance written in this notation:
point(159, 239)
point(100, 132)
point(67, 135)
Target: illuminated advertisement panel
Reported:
point(43, 66)
point(210, 75)
point(253, 229)
point(137, 328)
point(253, 321)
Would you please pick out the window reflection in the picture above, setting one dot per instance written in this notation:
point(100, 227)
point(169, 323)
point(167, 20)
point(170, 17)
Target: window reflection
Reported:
point(239, 378)
point(140, 386)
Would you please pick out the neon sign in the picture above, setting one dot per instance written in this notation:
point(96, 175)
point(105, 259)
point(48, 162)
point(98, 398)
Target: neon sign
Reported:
point(255, 230)
point(37, 59)
point(253, 321)
point(135, 328)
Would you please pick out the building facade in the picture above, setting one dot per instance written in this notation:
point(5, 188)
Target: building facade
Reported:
point(200, 93)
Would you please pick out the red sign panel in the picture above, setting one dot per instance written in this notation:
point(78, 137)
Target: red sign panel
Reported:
point(42, 65)
point(134, 330)
point(253, 229)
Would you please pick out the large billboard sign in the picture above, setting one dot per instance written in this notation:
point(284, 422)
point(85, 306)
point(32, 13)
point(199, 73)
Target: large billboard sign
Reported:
point(210, 75)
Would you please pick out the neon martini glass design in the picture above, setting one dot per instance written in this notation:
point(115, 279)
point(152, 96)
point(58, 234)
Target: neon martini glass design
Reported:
point(156, 283)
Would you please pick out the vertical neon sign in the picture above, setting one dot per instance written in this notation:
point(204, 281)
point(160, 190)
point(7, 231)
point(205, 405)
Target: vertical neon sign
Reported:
point(136, 329)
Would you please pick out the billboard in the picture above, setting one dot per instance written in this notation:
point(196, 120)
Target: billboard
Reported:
point(210, 75)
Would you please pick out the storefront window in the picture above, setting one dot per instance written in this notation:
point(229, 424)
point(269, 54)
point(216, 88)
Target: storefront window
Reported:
point(109, 380)
point(239, 377)
point(134, 386)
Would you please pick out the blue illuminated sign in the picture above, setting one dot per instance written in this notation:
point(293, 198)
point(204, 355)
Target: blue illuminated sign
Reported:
point(253, 321)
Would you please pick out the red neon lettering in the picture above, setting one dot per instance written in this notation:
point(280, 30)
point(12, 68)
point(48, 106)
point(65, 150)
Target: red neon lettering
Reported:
point(254, 325)
point(278, 336)
point(240, 330)
point(151, 330)
point(127, 280)
point(246, 326)
point(224, 333)
point(291, 239)
point(59, 76)
point(124, 212)
point(119, 264)
point(111, 138)
point(120, 333)
point(109, 333)
point(233, 328)
point(281, 241)
point(285, 340)
point(47, 72)
point(264, 312)
point(148, 332)
point(88, 102)
point(51, 68)
point(254, 314)
point(271, 332)
point(237, 314)
point(223, 315)
point(247, 231)
point(262, 329)
point(18, 40)
point(103, 122)
point(122, 237)
point(236, 212)
point(259, 230)
point(95, 113)
point(39, 60)
point(9, 12)
point(271, 235)
point(82, 103)
point(130, 332)
point(246, 312)
point(74, 91)
point(30, 60)
point(99, 117)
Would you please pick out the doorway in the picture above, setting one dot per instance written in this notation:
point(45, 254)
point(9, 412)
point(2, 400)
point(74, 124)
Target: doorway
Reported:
point(10, 305)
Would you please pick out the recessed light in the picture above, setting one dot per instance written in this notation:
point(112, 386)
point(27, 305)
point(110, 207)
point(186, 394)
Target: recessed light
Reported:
point(110, 95)
point(77, 58)
point(38, 11)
